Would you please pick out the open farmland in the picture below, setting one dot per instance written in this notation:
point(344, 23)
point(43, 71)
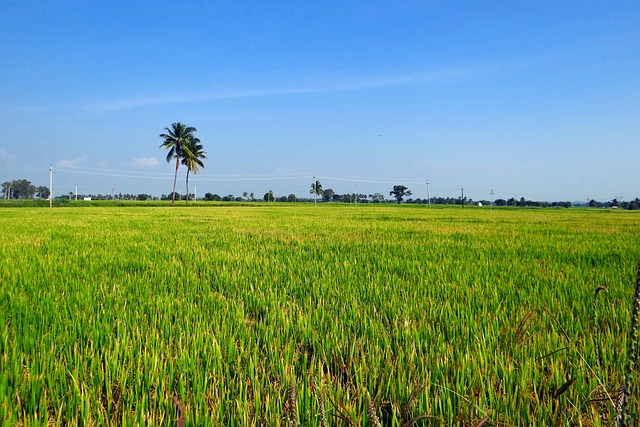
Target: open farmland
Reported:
point(278, 315)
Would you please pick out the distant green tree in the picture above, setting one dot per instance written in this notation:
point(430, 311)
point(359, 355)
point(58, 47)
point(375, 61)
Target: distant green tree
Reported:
point(348, 198)
point(376, 197)
point(18, 189)
point(327, 195)
point(399, 192)
point(561, 204)
point(6, 190)
point(174, 140)
point(26, 190)
point(42, 192)
point(268, 196)
point(212, 197)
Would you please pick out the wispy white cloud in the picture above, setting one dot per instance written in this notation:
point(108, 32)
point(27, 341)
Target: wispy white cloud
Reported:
point(67, 163)
point(321, 85)
point(144, 162)
point(306, 85)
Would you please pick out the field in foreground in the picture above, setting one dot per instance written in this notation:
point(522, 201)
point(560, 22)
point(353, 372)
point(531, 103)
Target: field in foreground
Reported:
point(281, 315)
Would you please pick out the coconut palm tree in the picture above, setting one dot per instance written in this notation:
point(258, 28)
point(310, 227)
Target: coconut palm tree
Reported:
point(174, 141)
point(316, 190)
point(192, 155)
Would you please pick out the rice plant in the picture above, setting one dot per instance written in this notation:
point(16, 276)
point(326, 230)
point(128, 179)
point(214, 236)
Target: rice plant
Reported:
point(281, 315)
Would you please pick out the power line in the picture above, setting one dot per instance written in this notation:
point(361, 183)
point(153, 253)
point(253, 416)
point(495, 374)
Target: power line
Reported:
point(169, 176)
point(146, 175)
point(373, 181)
point(71, 169)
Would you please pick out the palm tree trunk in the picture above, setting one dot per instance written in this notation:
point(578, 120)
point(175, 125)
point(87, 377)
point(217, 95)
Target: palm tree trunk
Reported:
point(187, 185)
point(175, 177)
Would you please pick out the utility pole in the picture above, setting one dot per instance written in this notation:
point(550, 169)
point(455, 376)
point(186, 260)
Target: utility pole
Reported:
point(314, 186)
point(462, 197)
point(428, 195)
point(195, 193)
point(491, 196)
point(76, 191)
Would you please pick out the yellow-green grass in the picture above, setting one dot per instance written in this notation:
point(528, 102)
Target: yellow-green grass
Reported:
point(108, 313)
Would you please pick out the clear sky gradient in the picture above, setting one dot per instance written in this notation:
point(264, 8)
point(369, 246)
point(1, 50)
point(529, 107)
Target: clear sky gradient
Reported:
point(534, 99)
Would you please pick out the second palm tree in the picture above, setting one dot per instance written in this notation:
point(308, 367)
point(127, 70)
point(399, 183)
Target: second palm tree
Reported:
point(192, 155)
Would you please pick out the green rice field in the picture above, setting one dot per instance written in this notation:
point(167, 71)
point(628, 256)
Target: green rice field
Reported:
point(273, 315)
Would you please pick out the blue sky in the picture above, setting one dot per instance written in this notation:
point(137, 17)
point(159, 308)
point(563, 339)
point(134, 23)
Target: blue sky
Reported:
point(534, 99)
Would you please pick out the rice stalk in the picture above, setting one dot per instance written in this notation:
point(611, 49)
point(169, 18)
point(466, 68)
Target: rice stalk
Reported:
point(291, 406)
point(596, 327)
point(371, 412)
point(555, 319)
point(519, 336)
point(563, 388)
point(342, 413)
point(180, 407)
point(412, 400)
point(624, 418)
point(485, 422)
point(321, 407)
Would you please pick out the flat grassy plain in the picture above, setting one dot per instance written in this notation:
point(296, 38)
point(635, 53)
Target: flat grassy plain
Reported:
point(289, 314)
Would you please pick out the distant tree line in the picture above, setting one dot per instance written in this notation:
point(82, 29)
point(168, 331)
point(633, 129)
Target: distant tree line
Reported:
point(530, 203)
point(615, 204)
point(24, 189)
